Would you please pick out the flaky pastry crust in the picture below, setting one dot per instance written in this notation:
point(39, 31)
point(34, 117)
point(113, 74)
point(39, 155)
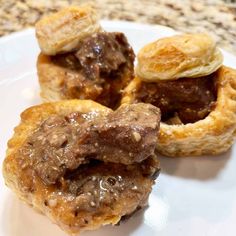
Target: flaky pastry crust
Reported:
point(187, 55)
point(213, 135)
point(62, 212)
point(62, 31)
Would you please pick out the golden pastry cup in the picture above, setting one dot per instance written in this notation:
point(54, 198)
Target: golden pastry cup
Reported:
point(60, 33)
point(212, 135)
point(63, 213)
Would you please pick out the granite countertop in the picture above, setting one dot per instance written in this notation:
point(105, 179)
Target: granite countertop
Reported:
point(212, 16)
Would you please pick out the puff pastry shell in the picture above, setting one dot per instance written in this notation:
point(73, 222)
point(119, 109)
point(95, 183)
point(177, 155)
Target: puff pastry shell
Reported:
point(61, 32)
point(59, 207)
point(213, 135)
point(187, 55)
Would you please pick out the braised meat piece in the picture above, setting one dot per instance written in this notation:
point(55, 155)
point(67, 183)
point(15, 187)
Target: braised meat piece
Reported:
point(61, 143)
point(192, 99)
point(126, 135)
point(102, 53)
point(104, 62)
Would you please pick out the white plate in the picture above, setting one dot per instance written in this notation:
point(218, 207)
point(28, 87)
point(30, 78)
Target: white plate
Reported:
point(194, 196)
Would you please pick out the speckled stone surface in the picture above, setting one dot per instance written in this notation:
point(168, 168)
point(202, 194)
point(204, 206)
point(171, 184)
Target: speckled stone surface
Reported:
point(212, 16)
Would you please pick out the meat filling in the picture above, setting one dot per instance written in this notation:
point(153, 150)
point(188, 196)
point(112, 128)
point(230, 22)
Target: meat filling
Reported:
point(63, 143)
point(98, 166)
point(104, 66)
point(186, 99)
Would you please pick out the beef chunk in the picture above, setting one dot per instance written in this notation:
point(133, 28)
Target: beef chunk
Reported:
point(126, 135)
point(102, 53)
